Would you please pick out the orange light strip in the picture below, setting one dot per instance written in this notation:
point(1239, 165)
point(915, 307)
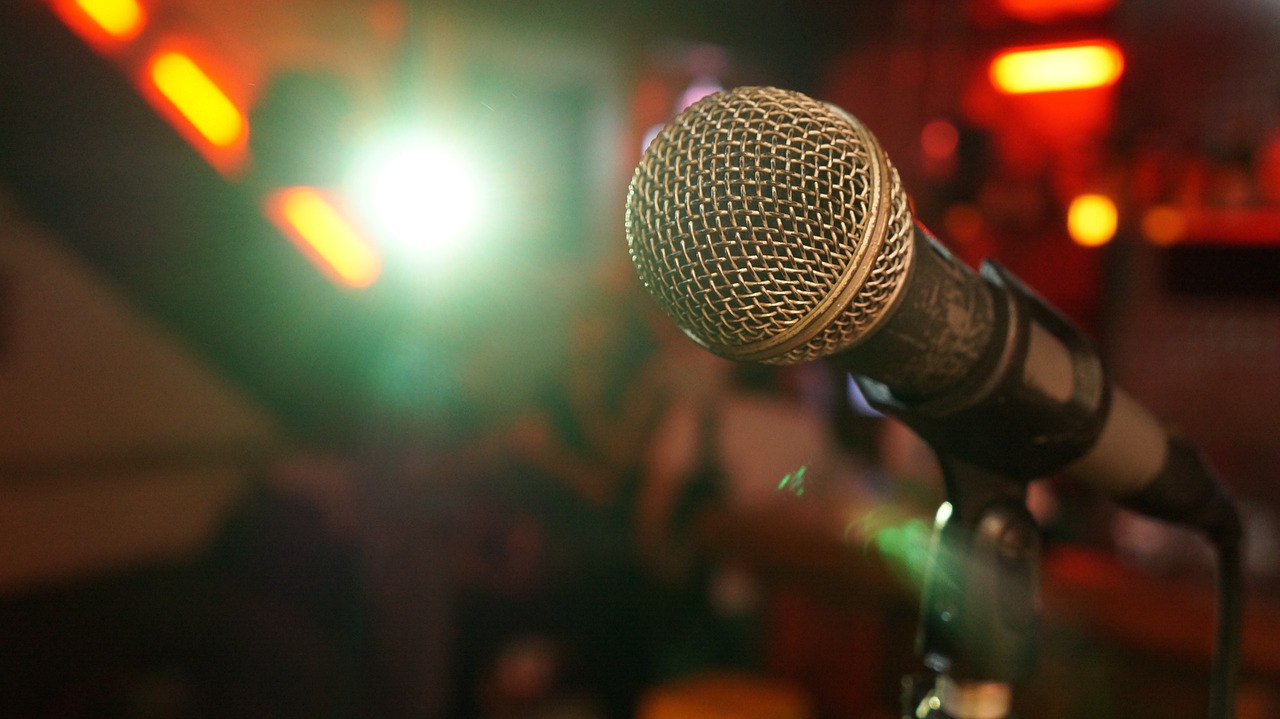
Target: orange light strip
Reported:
point(312, 223)
point(104, 24)
point(197, 98)
point(1057, 67)
point(121, 19)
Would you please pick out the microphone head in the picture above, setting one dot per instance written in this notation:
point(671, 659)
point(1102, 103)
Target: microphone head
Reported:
point(770, 226)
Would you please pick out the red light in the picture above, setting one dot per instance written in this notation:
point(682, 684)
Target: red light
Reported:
point(1049, 10)
point(939, 139)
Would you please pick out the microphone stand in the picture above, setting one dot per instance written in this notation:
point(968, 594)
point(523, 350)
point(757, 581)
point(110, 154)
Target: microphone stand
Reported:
point(980, 608)
point(980, 605)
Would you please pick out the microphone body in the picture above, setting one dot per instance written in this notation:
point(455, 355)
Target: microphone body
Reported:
point(774, 229)
point(1034, 400)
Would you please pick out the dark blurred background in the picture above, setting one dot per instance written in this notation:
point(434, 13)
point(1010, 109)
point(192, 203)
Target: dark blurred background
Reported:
point(328, 389)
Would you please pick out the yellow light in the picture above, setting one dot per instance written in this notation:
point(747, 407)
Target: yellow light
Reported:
point(197, 98)
point(121, 19)
point(320, 230)
point(1059, 67)
point(1091, 220)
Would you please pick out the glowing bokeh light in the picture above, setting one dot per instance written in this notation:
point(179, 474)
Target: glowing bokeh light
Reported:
point(419, 194)
point(319, 229)
point(197, 98)
point(939, 139)
point(121, 19)
point(964, 223)
point(701, 87)
point(1053, 68)
point(1164, 225)
point(1091, 220)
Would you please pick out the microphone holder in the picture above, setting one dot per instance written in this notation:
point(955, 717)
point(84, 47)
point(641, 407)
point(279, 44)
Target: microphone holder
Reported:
point(980, 606)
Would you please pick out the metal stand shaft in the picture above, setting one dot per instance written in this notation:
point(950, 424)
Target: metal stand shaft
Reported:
point(980, 610)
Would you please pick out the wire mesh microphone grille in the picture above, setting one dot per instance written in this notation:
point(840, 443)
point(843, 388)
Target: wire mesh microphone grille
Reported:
point(770, 226)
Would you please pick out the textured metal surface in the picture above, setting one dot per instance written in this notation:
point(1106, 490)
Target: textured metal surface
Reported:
point(770, 226)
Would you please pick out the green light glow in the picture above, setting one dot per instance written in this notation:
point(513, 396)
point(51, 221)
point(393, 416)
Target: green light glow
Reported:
point(794, 482)
point(901, 540)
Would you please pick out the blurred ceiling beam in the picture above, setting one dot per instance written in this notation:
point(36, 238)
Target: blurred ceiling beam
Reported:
point(88, 158)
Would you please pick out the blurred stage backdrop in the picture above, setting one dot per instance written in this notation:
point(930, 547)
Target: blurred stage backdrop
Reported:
point(328, 389)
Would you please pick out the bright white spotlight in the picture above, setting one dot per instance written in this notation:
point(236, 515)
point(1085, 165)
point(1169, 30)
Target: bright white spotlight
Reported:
point(420, 195)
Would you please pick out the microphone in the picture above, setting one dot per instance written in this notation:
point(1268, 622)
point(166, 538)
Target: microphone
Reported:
point(773, 228)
